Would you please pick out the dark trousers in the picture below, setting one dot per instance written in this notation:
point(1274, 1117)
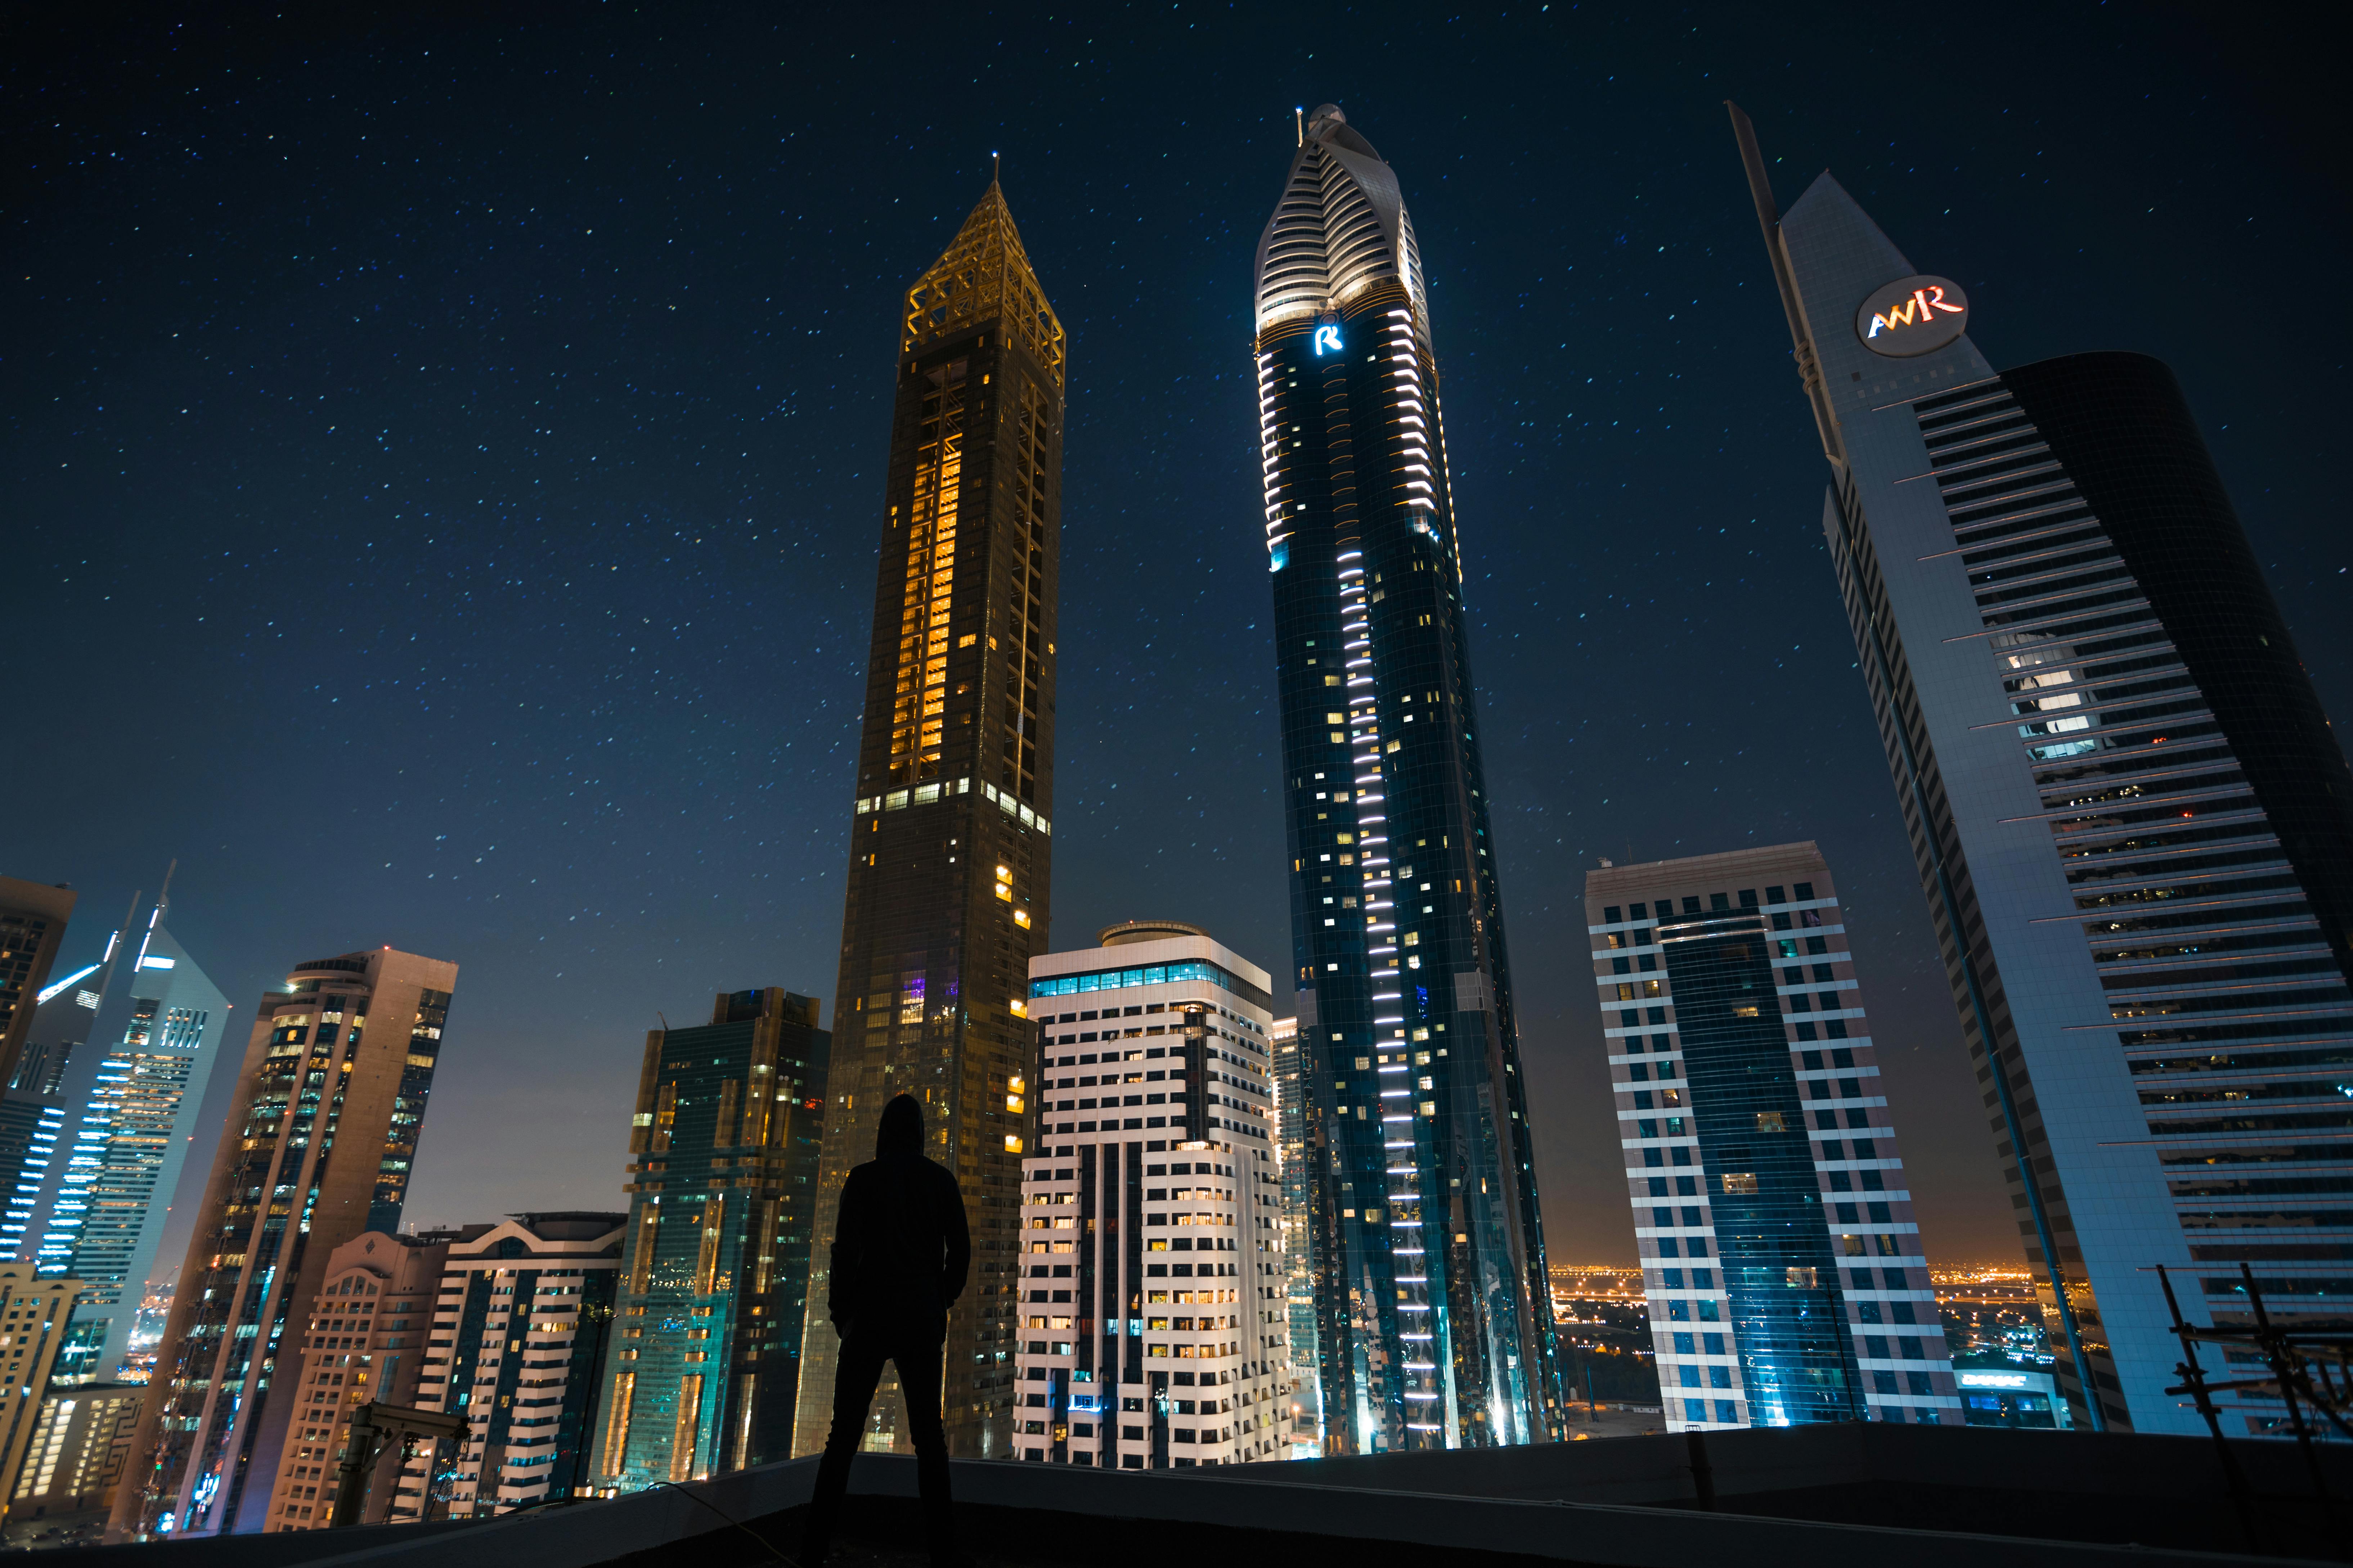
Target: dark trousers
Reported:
point(915, 1351)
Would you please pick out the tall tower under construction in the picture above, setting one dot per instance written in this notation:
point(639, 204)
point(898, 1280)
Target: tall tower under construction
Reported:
point(950, 830)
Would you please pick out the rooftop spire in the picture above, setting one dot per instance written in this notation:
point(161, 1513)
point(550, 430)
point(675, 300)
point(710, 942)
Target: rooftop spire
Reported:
point(984, 275)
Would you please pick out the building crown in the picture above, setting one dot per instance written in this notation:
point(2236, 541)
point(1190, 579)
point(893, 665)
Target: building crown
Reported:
point(1339, 231)
point(984, 275)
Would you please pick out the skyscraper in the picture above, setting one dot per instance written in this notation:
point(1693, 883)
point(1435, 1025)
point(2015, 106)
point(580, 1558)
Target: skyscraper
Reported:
point(2132, 824)
point(132, 1093)
point(30, 1125)
point(1153, 1337)
point(525, 1314)
point(1781, 1263)
point(948, 865)
point(32, 926)
point(1306, 1413)
point(321, 1136)
point(703, 1364)
point(1432, 1316)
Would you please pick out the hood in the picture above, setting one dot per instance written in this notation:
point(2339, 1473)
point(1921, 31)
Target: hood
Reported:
point(902, 1131)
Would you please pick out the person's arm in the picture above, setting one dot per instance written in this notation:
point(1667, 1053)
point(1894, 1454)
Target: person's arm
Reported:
point(847, 1226)
point(957, 1262)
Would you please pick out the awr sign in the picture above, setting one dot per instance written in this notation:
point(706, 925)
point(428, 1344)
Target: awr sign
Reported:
point(1912, 316)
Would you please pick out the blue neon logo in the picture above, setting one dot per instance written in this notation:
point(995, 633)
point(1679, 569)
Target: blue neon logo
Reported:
point(1327, 337)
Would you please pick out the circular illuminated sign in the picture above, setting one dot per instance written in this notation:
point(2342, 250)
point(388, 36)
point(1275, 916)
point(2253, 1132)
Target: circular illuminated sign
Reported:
point(1912, 316)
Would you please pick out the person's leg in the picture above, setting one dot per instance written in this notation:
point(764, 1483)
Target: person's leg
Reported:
point(856, 1370)
point(917, 1357)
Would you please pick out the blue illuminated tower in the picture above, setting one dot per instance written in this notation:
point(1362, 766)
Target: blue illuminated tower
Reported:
point(1433, 1325)
point(131, 1093)
point(2131, 818)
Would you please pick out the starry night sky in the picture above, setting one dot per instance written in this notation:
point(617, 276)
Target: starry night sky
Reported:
point(442, 466)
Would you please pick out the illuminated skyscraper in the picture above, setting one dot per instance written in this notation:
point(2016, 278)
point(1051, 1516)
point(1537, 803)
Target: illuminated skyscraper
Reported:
point(132, 1093)
point(2131, 819)
point(948, 863)
point(1305, 1421)
point(321, 1137)
point(1781, 1262)
point(1433, 1322)
point(1153, 1338)
point(704, 1362)
point(32, 926)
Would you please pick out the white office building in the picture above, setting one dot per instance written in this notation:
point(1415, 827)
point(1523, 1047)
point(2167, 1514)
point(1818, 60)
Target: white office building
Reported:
point(1155, 1330)
point(1782, 1263)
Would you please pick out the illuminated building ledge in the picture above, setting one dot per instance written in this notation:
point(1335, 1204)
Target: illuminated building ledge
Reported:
point(941, 789)
point(1783, 1497)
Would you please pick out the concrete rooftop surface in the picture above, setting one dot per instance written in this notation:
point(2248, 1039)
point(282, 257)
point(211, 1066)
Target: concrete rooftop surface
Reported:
point(1922, 1496)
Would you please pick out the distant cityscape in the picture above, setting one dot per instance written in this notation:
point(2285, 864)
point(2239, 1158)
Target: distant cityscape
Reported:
point(1205, 1234)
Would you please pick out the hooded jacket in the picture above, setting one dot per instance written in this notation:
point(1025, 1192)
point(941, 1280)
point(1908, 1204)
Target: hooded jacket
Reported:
point(900, 1247)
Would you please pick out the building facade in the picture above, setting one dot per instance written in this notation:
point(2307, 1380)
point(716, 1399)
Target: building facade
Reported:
point(35, 1310)
point(30, 1125)
point(362, 1341)
point(1155, 1312)
point(704, 1362)
point(32, 928)
point(2132, 821)
point(324, 1124)
point(134, 1089)
point(78, 1453)
point(1432, 1325)
point(1299, 1284)
point(520, 1329)
point(949, 864)
point(1783, 1269)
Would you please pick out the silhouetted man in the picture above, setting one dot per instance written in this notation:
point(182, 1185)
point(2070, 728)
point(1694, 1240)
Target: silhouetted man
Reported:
point(899, 1255)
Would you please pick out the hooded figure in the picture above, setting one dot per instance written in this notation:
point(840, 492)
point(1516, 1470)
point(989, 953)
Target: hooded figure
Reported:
point(901, 1252)
point(899, 1247)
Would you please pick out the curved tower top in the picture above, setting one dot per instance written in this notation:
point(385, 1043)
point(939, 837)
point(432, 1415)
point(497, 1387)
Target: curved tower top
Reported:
point(1340, 229)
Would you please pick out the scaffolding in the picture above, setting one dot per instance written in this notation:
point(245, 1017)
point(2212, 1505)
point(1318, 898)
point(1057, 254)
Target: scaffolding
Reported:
point(2306, 1368)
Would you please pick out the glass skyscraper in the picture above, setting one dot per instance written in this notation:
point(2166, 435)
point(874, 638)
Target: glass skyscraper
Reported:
point(1781, 1264)
point(703, 1365)
point(949, 839)
point(1433, 1326)
point(2132, 821)
point(319, 1148)
point(1305, 1423)
point(132, 1096)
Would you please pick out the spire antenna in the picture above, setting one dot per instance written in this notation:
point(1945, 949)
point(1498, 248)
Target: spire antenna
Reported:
point(1300, 114)
point(995, 164)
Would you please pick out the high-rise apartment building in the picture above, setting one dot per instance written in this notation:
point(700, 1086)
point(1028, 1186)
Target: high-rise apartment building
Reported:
point(34, 1312)
point(322, 1132)
point(78, 1455)
point(703, 1365)
point(361, 1339)
point(1299, 1283)
point(1155, 1322)
point(2132, 821)
point(1432, 1323)
point(32, 926)
point(948, 866)
point(1781, 1262)
point(520, 1329)
point(134, 1090)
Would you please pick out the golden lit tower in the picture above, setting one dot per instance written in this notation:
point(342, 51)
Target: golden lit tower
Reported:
point(947, 886)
